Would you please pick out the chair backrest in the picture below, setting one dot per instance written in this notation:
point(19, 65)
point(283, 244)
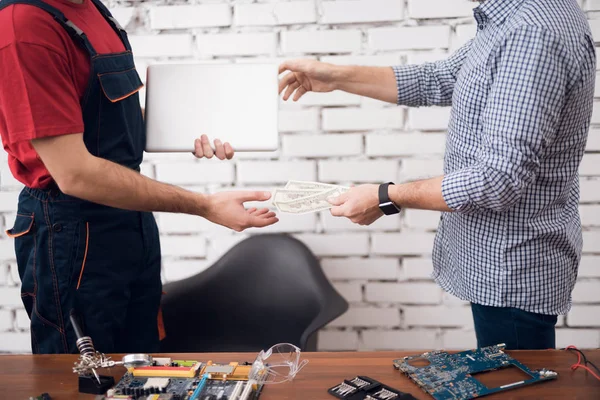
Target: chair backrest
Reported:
point(268, 289)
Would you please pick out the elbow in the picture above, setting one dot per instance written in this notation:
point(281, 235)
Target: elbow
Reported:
point(476, 190)
point(507, 195)
point(69, 182)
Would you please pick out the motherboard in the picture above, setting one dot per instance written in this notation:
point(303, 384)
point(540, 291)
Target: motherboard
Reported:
point(186, 380)
point(450, 376)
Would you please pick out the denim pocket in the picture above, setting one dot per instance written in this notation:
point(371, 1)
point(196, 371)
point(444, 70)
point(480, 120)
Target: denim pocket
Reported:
point(23, 233)
point(22, 226)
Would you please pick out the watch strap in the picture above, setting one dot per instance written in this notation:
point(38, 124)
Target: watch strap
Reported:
point(385, 204)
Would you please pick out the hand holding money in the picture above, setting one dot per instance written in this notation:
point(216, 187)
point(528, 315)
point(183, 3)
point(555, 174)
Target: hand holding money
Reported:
point(299, 197)
point(359, 204)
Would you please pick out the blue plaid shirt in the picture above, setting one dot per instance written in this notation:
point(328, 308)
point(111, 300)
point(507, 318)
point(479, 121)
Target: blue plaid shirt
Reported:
point(521, 94)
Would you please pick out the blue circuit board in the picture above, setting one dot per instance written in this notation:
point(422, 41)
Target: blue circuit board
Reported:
point(449, 376)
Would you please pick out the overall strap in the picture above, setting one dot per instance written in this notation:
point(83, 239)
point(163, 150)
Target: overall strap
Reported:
point(113, 22)
point(69, 26)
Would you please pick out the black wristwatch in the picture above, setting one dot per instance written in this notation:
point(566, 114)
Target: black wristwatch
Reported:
point(385, 204)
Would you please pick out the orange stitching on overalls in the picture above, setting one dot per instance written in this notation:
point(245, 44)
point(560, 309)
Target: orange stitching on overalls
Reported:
point(98, 122)
point(34, 294)
point(12, 235)
point(52, 201)
point(123, 97)
point(35, 342)
point(100, 56)
point(117, 72)
point(87, 240)
point(55, 282)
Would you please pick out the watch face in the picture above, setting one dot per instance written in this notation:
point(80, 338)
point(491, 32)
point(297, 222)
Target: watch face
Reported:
point(389, 208)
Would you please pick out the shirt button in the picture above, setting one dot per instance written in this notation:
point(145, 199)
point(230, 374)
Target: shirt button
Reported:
point(481, 27)
point(57, 227)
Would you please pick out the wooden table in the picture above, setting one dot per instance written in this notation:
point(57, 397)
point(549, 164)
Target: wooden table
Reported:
point(25, 376)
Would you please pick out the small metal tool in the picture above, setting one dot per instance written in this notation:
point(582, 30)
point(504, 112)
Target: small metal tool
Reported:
point(136, 360)
point(84, 343)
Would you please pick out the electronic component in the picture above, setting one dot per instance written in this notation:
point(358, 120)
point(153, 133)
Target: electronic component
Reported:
point(449, 376)
point(43, 396)
point(365, 388)
point(163, 379)
point(167, 371)
point(199, 388)
point(210, 381)
point(219, 369)
point(231, 372)
point(158, 383)
point(183, 363)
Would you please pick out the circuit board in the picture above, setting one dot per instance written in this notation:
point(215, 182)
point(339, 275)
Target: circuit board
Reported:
point(186, 380)
point(450, 376)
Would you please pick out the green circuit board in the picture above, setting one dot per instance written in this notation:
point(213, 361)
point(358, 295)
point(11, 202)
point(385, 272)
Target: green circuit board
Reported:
point(450, 376)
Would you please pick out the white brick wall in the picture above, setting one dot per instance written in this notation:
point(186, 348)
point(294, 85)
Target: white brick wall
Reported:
point(384, 270)
point(353, 11)
point(296, 12)
point(410, 38)
point(182, 17)
point(321, 41)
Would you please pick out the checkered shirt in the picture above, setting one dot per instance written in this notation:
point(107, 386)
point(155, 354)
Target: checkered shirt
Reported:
point(521, 93)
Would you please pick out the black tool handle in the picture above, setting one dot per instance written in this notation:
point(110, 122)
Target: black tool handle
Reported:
point(76, 327)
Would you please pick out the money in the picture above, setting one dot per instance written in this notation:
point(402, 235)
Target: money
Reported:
point(300, 197)
point(300, 185)
point(284, 195)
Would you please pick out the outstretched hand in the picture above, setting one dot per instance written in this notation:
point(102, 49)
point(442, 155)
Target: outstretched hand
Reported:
point(227, 209)
point(306, 76)
point(360, 205)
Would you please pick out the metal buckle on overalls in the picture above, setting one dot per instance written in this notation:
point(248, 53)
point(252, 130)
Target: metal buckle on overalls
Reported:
point(114, 21)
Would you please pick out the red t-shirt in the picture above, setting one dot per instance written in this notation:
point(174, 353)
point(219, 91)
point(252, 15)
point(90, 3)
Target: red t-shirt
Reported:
point(43, 76)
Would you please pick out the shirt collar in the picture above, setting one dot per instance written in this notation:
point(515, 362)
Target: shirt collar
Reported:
point(497, 11)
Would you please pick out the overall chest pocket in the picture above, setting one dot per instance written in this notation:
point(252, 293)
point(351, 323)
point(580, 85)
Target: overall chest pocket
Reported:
point(120, 85)
point(118, 133)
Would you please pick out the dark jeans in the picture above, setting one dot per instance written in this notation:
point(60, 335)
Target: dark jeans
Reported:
point(518, 329)
point(102, 262)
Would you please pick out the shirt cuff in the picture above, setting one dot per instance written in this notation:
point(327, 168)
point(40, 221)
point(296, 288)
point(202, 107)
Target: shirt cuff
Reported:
point(455, 190)
point(407, 81)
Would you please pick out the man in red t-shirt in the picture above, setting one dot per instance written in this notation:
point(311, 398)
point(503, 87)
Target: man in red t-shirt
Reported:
point(85, 237)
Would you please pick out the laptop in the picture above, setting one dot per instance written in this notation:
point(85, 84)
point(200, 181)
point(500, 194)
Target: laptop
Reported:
point(236, 103)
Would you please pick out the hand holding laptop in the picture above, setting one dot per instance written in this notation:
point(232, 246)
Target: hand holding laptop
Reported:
point(202, 148)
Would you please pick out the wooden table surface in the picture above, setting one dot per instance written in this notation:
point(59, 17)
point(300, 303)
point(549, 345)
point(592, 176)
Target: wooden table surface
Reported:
point(22, 376)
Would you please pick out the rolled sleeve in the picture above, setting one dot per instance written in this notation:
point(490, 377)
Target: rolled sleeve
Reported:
point(456, 189)
point(429, 84)
point(407, 80)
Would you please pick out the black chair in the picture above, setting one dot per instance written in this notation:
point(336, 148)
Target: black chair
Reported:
point(268, 289)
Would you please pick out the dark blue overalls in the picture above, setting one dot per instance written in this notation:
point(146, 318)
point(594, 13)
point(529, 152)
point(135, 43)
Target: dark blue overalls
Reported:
point(73, 254)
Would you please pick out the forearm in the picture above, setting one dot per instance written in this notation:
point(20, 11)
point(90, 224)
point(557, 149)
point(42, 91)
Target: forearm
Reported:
point(374, 82)
point(424, 195)
point(104, 182)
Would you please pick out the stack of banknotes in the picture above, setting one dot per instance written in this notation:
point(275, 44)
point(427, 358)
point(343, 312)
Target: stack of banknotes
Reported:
point(299, 197)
